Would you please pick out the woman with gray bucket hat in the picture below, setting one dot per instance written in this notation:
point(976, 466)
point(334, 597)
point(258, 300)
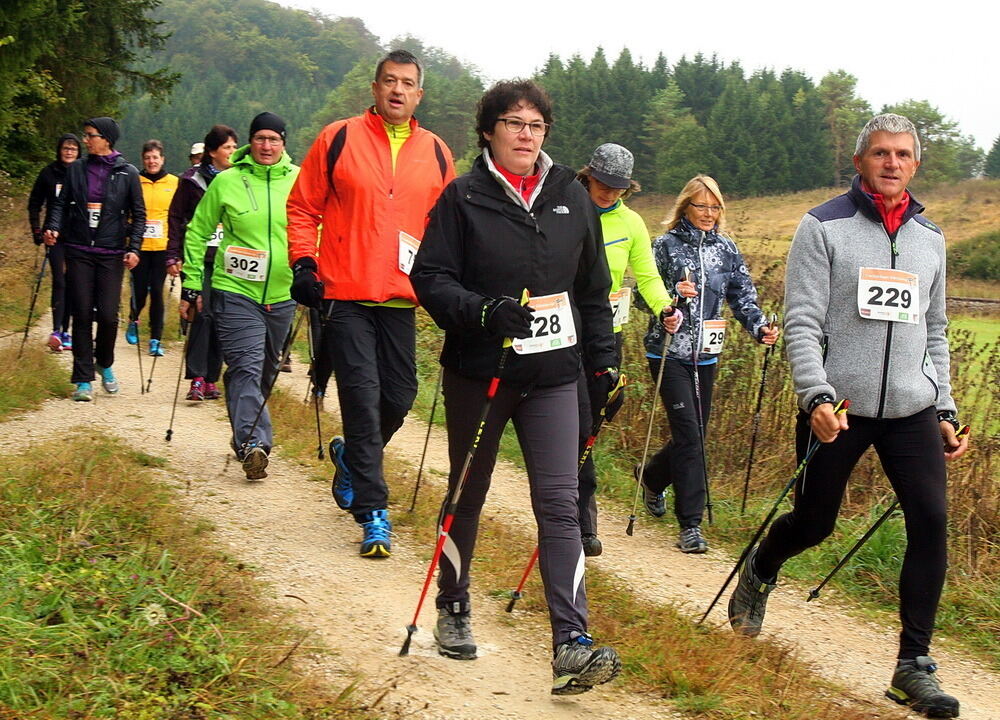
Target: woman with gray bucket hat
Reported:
point(608, 179)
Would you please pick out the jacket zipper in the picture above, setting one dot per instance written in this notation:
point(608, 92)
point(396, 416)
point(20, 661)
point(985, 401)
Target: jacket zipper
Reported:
point(695, 336)
point(893, 252)
point(267, 277)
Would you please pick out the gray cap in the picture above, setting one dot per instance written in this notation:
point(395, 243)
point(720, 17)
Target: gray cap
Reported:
point(612, 164)
point(197, 148)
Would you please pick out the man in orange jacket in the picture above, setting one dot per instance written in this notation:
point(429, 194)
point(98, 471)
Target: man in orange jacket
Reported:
point(369, 181)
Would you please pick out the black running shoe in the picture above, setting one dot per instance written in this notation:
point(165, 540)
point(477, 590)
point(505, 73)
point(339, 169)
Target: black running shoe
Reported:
point(592, 546)
point(577, 666)
point(691, 540)
point(453, 632)
point(914, 684)
point(654, 503)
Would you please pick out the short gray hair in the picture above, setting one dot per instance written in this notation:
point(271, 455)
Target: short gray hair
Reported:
point(890, 123)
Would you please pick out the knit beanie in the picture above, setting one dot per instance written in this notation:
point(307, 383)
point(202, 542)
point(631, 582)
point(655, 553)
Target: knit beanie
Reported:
point(107, 127)
point(268, 121)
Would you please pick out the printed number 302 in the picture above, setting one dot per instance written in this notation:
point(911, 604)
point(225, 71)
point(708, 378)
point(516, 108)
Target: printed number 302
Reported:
point(243, 264)
point(893, 297)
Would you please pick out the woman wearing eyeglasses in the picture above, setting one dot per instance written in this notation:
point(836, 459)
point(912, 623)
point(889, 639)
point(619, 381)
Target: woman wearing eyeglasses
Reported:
point(518, 226)
point(702, 263)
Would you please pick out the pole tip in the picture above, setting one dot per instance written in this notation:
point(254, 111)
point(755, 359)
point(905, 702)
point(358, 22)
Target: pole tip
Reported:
point(631, 525)
point(405, 650)
point(170, 434)
point(514, 597)
point(813, 594)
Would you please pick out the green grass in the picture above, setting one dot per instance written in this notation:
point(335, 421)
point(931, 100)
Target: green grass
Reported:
point(115, 605)
point(26, 383)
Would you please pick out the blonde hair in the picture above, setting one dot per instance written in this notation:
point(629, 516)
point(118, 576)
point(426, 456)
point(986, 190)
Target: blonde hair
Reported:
point(694, 186)
point(583, 175)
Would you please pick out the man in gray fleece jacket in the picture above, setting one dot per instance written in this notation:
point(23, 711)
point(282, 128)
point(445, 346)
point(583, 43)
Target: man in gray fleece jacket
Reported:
point(865, 320)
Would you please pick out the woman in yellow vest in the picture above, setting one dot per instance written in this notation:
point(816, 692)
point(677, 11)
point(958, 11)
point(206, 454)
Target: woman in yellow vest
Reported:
point(158, 188)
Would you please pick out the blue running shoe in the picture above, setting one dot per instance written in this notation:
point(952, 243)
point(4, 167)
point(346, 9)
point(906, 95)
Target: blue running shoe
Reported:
point(377, 529)
point(108, 380)
point(154, 348)
point(132, 333)
point(343, 487)
point(83, 392)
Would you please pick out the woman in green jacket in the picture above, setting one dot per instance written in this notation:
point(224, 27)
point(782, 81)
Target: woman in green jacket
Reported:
point(251, 279)
point(608, 179)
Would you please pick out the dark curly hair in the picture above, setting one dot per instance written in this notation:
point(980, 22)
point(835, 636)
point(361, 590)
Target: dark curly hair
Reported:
point(502, 97)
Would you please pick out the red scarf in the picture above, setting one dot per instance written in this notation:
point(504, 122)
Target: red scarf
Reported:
point(893, 218)
point(524, 184)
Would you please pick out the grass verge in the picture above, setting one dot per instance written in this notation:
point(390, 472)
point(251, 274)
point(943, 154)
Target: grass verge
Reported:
point(115, 605)
point(27, 383)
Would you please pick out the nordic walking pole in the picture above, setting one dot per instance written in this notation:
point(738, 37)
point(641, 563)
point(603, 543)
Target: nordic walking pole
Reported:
point(588, 446)
point(840, 409)
point(134, 313)
point(756, 418)
point(695, 344)
point(456, 494)
point(185, 331)
point(34, 298)
point(312, 373)
point(814, 593)
point(649, 432)
point(282, 359)
point(427, 437)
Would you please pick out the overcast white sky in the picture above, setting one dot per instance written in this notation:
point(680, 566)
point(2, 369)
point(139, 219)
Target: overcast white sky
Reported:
point(947, 53)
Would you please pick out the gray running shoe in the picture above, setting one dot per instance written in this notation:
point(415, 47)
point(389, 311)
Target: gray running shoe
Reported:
point(108, 380)
point(453, 632)
point(692, 541)
point(577, 666)
point(749, 600)
point(914, 684)
point(83, 393)
point(255, 462)
point(592, 546)
point(654, 503)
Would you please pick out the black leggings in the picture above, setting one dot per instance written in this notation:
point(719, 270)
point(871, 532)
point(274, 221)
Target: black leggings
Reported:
point(94, 285)
point(679, 462)
point(60, 298)
point(910, 450)
point(147, 279)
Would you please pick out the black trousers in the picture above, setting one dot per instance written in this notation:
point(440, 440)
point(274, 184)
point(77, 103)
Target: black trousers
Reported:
point(94, 284)
point(373, 350)
point(204, 355)
point(60, 301)
point(147, 280)
point(679, 462)
point(545, 421)
point(910, 450)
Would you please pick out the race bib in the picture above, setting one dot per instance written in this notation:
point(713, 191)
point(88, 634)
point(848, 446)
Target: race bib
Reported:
point(154, 229)
point(621, 303)
point(408, 246)
point(215, 238)
point(93, 214)
point(58, 189)
point(552, 327)
point(892, 295)
point(713, 334)
point(245, 263)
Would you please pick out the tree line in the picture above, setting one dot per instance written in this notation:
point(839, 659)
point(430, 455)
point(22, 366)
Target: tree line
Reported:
point(169, 69)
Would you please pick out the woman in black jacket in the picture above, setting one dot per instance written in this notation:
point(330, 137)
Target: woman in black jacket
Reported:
point(518, 226)
point(46, 189)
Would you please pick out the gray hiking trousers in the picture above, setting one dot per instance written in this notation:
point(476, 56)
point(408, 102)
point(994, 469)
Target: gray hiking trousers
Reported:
point(547, 422)
point(251, 336)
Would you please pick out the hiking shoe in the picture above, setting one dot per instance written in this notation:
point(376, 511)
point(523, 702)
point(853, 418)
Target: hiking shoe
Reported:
point(108, 380)
point(196, 391)
point(692, 541)
point(286, 366)
point(653, 501)
point(83, 393)
point(914, 684)
point(377, 529)
point(453, 632)
point(577, 666)
point(592, 546)
point(67, 341)
point(212, 392)
point(342, 488)
point(154, 348)
point(749, 600)
point(55, 342)
point(132, 333)
point(255, 462)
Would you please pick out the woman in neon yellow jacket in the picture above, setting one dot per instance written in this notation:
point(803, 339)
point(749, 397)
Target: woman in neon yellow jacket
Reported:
point(608, 179)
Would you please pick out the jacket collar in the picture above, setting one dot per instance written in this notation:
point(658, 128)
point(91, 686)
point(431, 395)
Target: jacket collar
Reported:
point(866, 203)
point(544, 165)
point(243, 160)
point(375, 121)
point(690, 234)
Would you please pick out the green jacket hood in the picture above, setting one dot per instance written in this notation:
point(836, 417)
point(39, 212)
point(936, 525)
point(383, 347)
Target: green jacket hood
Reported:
point(243, 160)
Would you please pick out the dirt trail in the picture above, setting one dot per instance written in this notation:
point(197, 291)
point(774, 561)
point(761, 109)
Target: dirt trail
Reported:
point(292, 534)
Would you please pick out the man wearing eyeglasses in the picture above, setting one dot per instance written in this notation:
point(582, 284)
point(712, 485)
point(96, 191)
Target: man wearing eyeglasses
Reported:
point(250, 301)
point(369, 181)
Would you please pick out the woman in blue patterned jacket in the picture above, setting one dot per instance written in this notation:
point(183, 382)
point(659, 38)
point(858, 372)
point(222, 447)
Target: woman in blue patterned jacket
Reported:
point(697, 258)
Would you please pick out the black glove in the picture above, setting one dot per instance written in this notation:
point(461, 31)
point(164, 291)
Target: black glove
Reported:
point(191, 296)
point(36, 235)
point(506, 317)
point(307, 288)
point(600, 386)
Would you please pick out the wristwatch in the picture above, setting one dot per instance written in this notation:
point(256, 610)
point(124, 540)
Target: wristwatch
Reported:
point(948, 416)
point(819, 400)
